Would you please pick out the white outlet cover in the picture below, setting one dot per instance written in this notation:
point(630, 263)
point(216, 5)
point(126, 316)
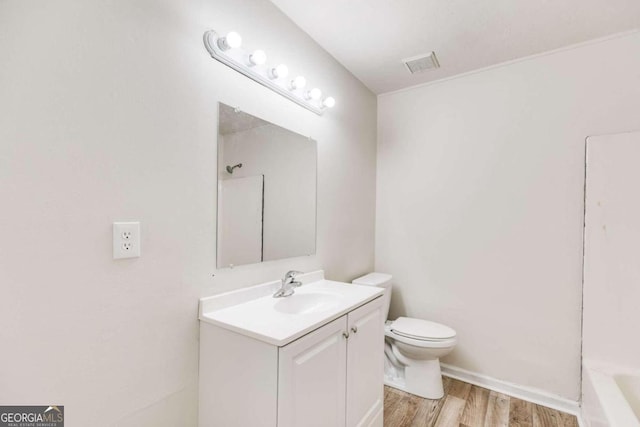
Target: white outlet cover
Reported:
point(126, 240)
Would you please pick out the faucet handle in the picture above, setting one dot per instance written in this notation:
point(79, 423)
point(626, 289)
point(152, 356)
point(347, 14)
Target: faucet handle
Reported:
point(291, 274)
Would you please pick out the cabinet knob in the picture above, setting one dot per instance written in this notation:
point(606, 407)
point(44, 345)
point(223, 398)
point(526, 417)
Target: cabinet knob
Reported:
point(354, 329)
point(345, 335)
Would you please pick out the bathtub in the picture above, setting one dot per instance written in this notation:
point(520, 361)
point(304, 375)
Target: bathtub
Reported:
point(610, 395)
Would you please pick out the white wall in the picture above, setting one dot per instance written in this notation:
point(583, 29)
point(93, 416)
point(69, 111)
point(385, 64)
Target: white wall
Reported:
point(612, 236)
point(480, 204)
point(108, 112)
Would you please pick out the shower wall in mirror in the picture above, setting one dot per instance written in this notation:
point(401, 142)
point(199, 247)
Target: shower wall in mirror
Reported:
point(266, 190)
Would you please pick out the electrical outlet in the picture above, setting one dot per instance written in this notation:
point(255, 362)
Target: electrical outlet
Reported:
point(126, 240)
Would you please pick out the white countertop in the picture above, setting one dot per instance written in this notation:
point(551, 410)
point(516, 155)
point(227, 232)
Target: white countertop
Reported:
point(278, 321)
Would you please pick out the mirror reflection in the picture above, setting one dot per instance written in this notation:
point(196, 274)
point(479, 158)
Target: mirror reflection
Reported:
point(266, 190)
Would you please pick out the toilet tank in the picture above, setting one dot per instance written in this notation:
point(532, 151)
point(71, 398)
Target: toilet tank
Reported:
point(380, 280)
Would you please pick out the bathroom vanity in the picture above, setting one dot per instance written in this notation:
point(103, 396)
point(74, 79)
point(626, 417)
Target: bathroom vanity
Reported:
point(314, 358)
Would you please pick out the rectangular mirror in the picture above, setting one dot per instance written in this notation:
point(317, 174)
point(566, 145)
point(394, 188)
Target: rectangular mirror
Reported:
point(266, 190)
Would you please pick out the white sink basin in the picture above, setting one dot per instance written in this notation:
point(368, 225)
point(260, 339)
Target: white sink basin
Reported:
point(255, 313)
point(307, 303)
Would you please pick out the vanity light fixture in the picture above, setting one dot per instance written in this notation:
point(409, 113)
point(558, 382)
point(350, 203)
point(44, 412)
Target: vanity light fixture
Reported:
point(313, 94)
point(279, 72)
point(231, 41)
point(298, 83)
point(258, 57)
point(329, 102)
point(253, 64)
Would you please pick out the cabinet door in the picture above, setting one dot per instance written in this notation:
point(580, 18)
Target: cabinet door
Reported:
point(312, 378)
point(365, 365)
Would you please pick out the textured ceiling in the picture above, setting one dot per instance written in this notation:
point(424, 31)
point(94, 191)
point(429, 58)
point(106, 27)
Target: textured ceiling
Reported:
point(370, 37)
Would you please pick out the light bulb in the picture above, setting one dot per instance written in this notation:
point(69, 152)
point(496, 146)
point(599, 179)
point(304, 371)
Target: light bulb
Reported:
point(314, 94)
point(298, 83)
point(231, 41)
point(329, 102)
point(278, 72)
point(258, 57)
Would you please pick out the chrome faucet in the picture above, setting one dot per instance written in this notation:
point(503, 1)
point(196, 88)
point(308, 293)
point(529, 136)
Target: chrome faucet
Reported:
point(288, 283)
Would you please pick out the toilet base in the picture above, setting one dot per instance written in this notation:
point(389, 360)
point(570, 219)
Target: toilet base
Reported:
point(423, 378)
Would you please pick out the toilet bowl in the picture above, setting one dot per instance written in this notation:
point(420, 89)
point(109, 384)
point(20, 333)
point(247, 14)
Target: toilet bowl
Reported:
point(413, 347)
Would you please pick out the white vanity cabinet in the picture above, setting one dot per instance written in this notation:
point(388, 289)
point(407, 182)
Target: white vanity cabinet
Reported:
point(312, 378)
point(330, 377)
point(365, 356)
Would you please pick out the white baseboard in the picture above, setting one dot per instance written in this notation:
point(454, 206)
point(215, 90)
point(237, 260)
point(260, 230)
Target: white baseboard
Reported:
point(533, 395)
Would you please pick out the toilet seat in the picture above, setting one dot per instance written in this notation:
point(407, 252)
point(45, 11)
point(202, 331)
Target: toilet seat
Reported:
point(423, 343)
point(421, 333)
point(421, 329)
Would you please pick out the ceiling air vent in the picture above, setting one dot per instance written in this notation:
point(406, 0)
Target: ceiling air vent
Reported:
point(420, 63)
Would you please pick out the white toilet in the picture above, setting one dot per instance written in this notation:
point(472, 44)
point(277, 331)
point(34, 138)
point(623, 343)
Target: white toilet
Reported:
point(413, 347)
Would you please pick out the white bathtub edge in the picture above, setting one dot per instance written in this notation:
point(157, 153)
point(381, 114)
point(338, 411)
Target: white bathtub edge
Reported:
point(610, 399)
point(581, 422)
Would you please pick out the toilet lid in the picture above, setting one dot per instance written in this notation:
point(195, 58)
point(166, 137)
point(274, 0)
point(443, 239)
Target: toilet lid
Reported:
point(421, 329)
